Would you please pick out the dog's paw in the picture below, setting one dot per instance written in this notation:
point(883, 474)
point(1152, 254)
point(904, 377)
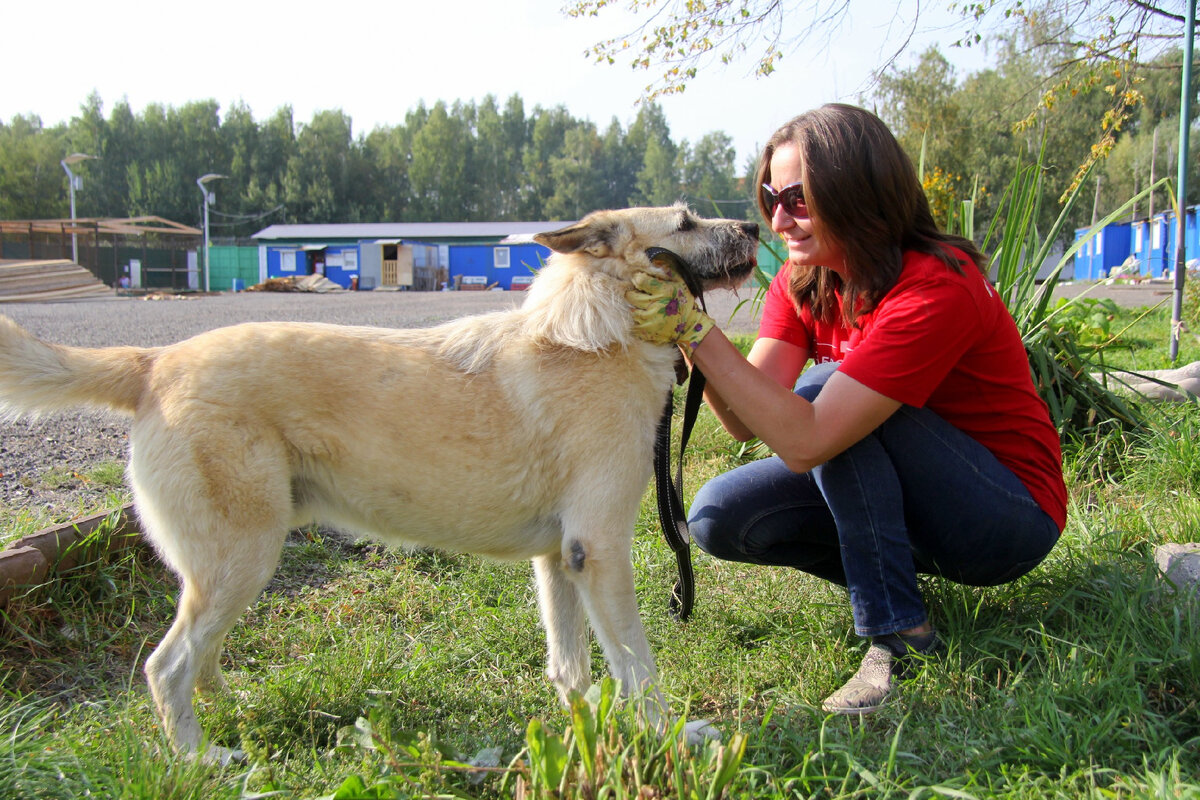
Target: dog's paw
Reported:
point(700, 731)
point(221, 756)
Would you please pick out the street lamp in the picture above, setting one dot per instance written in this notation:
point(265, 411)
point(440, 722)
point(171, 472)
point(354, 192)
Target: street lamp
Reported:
point(74, 182)
point(209, 197)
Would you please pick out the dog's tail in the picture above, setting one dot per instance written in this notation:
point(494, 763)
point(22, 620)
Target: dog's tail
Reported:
point(37, 377)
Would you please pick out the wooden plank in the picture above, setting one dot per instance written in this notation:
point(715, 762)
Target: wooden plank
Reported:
point(35, 558)
point(35, 281)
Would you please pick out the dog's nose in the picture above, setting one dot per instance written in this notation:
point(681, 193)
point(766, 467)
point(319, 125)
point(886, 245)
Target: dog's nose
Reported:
point(750, 229)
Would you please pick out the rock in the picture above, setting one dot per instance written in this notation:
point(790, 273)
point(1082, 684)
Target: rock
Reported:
point(1179, 565)
point(1175, 385)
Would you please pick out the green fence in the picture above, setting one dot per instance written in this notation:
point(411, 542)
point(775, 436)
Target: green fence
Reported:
point(230, 263)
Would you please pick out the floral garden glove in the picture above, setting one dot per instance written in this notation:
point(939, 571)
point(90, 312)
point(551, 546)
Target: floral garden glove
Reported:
point(665, 312)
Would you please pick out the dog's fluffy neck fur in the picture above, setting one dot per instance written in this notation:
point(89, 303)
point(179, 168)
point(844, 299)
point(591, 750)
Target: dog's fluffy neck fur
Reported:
point(581, 309)
point(584, 309)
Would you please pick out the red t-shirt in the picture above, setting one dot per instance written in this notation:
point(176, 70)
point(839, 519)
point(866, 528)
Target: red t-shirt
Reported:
point(946, 342)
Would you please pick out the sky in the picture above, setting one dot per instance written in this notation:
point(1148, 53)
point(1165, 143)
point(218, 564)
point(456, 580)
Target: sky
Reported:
point(377, 60)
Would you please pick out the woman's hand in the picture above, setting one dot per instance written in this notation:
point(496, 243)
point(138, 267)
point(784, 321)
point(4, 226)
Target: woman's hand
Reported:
point(665, 312)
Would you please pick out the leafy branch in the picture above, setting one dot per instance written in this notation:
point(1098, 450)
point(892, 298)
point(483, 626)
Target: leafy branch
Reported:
point(679, 37)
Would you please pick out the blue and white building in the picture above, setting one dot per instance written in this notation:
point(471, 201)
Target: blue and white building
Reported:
point(1151, 241)
point(406, 255)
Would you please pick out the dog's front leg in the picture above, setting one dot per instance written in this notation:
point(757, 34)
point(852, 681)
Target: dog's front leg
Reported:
point(568, 658)
point(602, 571)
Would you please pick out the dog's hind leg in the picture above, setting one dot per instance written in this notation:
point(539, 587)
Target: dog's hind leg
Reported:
point(216, 590)
point(221, 529)
point(568, 656)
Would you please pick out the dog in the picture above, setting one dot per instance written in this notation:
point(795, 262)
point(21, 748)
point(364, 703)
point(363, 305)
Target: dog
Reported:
point(557, 397)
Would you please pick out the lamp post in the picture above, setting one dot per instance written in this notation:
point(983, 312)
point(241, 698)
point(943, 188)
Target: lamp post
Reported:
point(1185, 99)
point(209, 197)
point(74, 182)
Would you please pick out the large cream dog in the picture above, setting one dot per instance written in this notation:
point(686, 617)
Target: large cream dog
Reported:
point(514, 435)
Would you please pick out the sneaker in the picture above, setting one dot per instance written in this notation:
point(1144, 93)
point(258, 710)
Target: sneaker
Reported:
point(889, 658)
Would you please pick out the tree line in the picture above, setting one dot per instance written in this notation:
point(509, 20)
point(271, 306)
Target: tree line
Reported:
point(451, 162)
point(486, 161)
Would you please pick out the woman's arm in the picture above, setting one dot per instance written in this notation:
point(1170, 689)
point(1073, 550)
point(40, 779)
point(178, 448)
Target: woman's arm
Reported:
point(803, 434)
point(761, 401)
point(779, 360)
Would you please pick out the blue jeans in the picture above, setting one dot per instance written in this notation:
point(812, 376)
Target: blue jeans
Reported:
point(917, 495)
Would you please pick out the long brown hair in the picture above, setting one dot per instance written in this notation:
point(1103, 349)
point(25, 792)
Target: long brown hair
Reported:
point(864, 194)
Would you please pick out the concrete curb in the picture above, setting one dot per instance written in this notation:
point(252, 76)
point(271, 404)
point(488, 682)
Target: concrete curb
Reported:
point(32, 559)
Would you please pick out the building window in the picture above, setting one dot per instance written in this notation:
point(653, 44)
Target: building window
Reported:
point(500, 257)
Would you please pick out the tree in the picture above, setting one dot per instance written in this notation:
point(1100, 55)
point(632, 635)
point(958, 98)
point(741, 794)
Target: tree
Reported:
point(104, 191)
point(32, 183)
point(709, 178)
point(438, 173)
point(922, 106)
point(499, 140)
point(548, 135)
point(317, 181)
point(173, 147)
point(1107, 46)
point(964, 131)
point(388, 150)
point(576, 176)
point(654, 154)
point(449, 162)
point(658, 179)
point(617, 168)
point(274, 148)
point(116, 145)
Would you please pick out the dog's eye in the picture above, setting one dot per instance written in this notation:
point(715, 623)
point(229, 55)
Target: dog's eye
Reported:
point(686, 223)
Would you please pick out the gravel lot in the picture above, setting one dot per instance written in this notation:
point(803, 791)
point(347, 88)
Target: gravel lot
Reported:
point(41, 459)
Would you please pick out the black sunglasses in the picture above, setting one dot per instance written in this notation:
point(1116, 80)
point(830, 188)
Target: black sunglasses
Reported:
point(791, 197)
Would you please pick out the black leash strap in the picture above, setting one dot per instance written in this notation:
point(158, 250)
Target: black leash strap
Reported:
point(671, 515)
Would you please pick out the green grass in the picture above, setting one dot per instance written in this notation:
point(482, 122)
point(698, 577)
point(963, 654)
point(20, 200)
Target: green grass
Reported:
point(365, 672)
point(105, 482)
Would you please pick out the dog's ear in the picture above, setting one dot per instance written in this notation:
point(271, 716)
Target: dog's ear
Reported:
point(588, 235)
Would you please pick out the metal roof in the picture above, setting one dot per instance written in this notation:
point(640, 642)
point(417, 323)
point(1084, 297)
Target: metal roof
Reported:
point(406, 230)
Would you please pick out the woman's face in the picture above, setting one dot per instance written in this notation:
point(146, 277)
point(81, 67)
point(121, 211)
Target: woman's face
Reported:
point(806, 242)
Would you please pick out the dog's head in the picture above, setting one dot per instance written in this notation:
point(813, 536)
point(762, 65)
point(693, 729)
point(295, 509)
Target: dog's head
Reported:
point(711, 253)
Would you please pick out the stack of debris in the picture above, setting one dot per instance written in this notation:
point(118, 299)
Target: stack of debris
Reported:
point(43, 281)
point(297, 283)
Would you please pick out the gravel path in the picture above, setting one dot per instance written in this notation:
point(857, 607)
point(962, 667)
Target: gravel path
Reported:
point(41, 460)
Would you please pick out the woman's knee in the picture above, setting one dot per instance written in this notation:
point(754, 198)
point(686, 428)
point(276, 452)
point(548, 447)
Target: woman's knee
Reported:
point(813, 379)
point(713, 522)
point(757, 513)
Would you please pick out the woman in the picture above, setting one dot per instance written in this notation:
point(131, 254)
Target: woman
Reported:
point(916, 444)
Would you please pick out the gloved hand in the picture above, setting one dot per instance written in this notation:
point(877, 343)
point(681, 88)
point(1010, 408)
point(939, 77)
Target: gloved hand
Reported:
point(665, 312)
